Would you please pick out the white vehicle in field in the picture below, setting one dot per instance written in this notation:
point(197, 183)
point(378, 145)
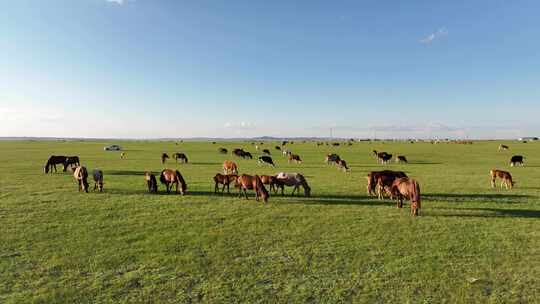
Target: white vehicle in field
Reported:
point(112, 148)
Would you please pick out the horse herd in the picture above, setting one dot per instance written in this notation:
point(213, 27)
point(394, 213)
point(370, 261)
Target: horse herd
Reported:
point(395, 185)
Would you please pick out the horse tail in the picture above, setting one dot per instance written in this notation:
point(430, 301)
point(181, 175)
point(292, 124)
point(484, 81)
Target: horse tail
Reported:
point(162, 178)
point(415, 195)
point(182, 182)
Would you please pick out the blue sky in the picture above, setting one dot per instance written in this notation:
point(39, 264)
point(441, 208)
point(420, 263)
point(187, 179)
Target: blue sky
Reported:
point(152, 68)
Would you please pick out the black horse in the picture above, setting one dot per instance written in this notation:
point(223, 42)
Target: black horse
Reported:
point(53, 161)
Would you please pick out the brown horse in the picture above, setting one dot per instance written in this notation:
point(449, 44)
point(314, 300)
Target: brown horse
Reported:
point(71, 161)
point(164, 157)
point(506, 178)
point(373, 178)
point(295, 157)
point(342, 164)
point(225, 180)
point(230, 167)
point(53, 161)
point(170, 177)
point(247, 182)
point(293, 180)
point(98, 179)
point(180, 156)
point(81, 176)
point(405, 188)
point(151, 182)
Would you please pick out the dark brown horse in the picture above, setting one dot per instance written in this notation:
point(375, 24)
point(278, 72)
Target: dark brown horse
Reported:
point(247, 182)
point(81, 176)
point(409, 189)
point(383, 157)
point(98, 179)
point(374, 176)
point(272, 181)
point(71, 161)
point(151, 182)
point(53, 161)
point(170, 177)
point(180, 156)
point(225, 180)
point(164, 158)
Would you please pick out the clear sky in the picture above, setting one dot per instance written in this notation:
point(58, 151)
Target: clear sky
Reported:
point(156, 68)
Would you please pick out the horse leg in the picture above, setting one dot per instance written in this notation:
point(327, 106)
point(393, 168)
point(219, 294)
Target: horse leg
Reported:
point(294, 189)
point(245, 193)
point(215, 187)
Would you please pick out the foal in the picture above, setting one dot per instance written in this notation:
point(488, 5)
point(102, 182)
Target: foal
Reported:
point(151, 182)
point(81, 176)
point(506, 178)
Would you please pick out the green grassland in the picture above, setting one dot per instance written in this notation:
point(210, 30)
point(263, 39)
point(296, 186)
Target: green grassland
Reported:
point(470, 244)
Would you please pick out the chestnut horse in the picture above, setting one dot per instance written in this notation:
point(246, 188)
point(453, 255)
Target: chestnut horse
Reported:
point(272, 181)
point(230, 167)
point(151, 182)
point(405, 188)
point(247, 182)
point(170, 177)
point(506, 178)
point(293, 180)
point(81, 176)
point(225, 180)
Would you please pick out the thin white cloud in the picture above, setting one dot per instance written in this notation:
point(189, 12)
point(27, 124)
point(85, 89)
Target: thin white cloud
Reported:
point(119, 2)
point(433, 36)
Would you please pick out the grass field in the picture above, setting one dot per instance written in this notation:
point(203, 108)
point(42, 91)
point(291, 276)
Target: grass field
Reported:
point(471, 243)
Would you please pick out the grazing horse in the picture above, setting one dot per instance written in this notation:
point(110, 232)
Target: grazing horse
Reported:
point(335, 144)
point(170, 177)
point(265, 159)
point(389, 177)
point(401, 159)
point(293, 180)
point(225, 180)
point(405, 188)
point(503, 147)
point(122, 155)
point(53, 161)
point(151, 182)
point(278, 148)
point(164, 157)
point(247, 155)
point(230, 167)
point(81, 176)
point(286, 152)
point(222, 150)
point(332, 158)
point(247, 182)
point(295, 157)
point(342, 164)
point(506, 178)
point(383, 157)
point(98, 179)
point(516, 160)
point(266, 151)
point(270, 180)
point(180, 156)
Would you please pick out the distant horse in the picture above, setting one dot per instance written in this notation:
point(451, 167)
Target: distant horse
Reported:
point(247, 155)
point(81, 176)
point(278, 148)
point(230, 167)
point(71, 161)
point(170, 177)
point(225, 180)
point(223, 151)
point(516, 160)
point(247, 182)
point(266, 151)
point(180, 156)
point(164, 157)
point(122, 155)
point(293, 180)
point(295, 157)
point(151, 182)
point(98, 179)
point(342, 164)
point(286, 152)
point(401, 159)
point(405, 188)
point(53, 161)
point(503, 147)
point(506, 178)
point(383, 157)
point(332, 158)
point(265, 159)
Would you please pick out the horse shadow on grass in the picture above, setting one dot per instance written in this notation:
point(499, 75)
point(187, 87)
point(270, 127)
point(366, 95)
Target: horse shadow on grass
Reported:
point(476, 197)
point(491, 213)
point(125, 172)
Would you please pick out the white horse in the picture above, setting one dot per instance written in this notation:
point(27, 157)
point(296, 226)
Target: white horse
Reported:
point(293, 180)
